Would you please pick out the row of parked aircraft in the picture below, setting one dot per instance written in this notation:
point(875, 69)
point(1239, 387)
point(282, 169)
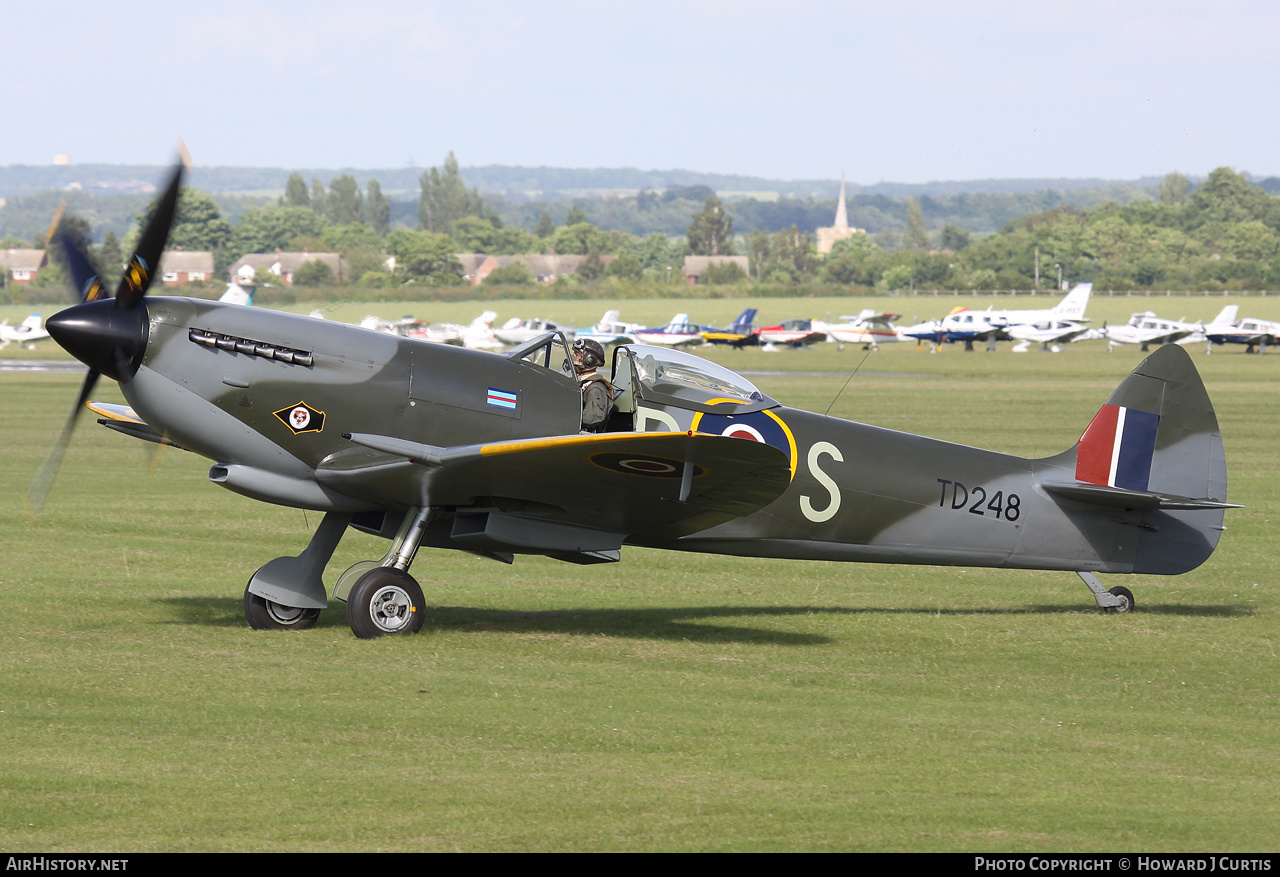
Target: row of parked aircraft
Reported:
point(1048, 327)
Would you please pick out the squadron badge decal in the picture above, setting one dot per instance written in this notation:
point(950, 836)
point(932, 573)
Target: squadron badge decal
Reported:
point(301, 418)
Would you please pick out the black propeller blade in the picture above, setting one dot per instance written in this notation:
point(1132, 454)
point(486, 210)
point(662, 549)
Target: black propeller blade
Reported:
point(39, 490)
point(145, 261)
point(107, 344)
point(83, 273)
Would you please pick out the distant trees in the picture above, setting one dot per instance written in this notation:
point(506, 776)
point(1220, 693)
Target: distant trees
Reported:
point(1173, 188)
point(267, 229)
point(1222, 234)
point(345, 203)
point(425, 256)
point(915, 237)
point(197, 224)
point(378, 210)
point(296, 193)
point(1225, 235)
point(444, 198)
point(711, 231)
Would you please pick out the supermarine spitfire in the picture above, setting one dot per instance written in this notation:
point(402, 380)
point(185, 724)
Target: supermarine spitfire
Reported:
point(446, 447)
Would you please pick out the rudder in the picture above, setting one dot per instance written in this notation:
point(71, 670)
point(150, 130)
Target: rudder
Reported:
point(1155, 449)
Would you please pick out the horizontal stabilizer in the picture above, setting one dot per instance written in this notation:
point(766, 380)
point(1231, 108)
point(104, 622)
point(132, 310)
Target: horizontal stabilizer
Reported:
point(1119, 497)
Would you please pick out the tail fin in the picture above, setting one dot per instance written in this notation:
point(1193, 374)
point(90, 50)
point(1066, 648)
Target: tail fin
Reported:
point(1226, 315)
point(1074, 302)
point(1154, 450)
point(744, 321)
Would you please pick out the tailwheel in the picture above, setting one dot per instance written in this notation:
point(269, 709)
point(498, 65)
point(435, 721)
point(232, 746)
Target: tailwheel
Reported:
point(1125, 596)
point(385, 601)
point(263, 614)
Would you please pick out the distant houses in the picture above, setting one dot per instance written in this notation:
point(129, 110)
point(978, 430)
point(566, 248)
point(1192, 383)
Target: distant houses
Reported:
point(283, 265)
point(695, 266)
point(21, 265)
point(179, 267)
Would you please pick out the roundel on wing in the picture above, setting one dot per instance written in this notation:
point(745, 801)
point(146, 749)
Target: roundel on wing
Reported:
point(645, 465)
point(756, 426)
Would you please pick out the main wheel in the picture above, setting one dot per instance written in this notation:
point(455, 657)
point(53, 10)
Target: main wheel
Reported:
point(1126, 599)
point(385, 601)
point(262, 614)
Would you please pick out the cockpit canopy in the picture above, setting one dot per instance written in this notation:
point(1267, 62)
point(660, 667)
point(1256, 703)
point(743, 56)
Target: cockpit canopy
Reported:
point(657, 375)
point(667, 376)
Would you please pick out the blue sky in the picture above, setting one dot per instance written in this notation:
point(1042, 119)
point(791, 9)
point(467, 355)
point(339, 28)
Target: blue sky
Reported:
point(878, 91)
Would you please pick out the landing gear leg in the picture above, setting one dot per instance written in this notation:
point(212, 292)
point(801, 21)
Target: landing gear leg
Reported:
point(1118, 599)
point(382, 598)
point(288, 592)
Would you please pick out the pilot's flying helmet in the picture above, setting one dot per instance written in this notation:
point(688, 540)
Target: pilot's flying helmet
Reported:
point(589, 353)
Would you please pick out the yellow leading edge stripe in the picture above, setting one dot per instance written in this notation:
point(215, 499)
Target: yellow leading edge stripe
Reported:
point(569, 441)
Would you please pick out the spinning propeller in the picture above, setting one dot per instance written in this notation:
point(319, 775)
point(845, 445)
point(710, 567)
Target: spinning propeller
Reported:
point(107, 334)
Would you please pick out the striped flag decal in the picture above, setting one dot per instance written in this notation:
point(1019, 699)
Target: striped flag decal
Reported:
point(1117, 447)
point(503, 399)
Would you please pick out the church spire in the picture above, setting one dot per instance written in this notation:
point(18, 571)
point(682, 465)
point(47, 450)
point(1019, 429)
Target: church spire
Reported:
point(842, 216)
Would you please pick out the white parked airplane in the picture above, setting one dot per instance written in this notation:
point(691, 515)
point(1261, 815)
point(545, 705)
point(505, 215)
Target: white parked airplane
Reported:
point(870, 327)
point(1146, 328)
point(518, 331)
point(611, 330)
point(964, 324)
point(239, 294)
point(477, 336)
point(29, 331)
point(1251, 331)
point(675, 334)
point(1049, 334)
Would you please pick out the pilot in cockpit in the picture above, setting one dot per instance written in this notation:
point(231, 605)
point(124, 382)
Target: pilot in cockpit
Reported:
point(597, 392)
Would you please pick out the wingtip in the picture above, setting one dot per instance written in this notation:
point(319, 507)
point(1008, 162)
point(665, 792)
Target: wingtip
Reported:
point(184, 154)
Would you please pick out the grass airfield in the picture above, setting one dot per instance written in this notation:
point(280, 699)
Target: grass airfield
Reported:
point(669, 702)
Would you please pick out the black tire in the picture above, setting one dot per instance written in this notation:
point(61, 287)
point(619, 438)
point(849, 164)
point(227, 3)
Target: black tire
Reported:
point(385, 602)
point(262, 614)
point(1126, 599)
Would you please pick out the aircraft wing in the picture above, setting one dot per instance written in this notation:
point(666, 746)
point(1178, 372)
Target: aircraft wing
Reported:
point(567, 493)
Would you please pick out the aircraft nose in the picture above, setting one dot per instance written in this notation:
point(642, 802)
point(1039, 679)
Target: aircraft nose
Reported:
point(105, 337)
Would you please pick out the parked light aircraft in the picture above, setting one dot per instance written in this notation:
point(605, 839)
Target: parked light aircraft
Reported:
point(446, 447)
point(740, 333)
point(478, 335)
point(1049, 334)
point(29, 331)
point(1146, 328)
point(1251, 331)
point(239, 294)
point(518, 331)
point(676, 333)
point(869, 327)
point(793, 333)
point(610, 330)
point(964, 324)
